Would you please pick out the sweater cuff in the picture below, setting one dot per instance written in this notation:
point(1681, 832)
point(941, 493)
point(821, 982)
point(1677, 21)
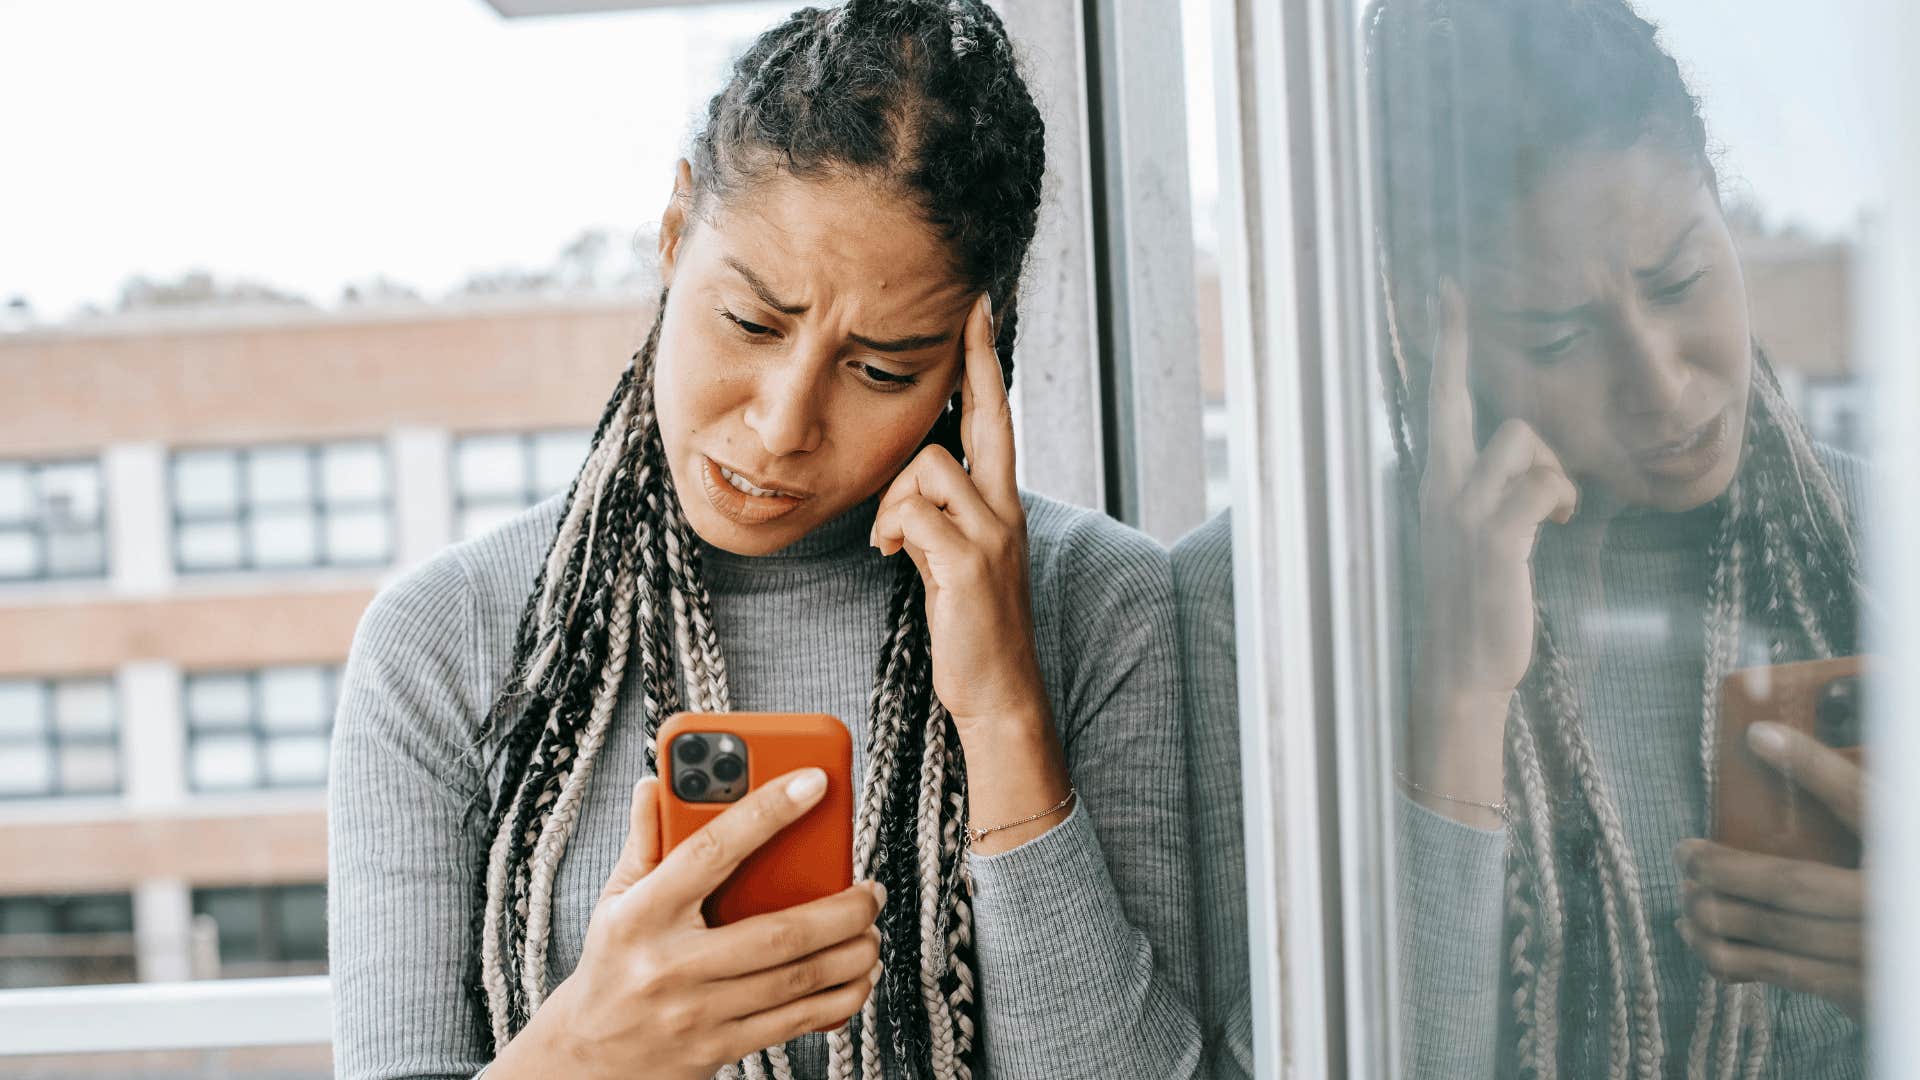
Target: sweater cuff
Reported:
point(1452, 915)
point(1057, 954)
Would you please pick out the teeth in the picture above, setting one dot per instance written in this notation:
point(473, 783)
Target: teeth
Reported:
point(740, 484)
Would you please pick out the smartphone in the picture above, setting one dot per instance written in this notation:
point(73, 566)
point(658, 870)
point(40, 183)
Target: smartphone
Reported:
point(1755, 808)
point(709, 761)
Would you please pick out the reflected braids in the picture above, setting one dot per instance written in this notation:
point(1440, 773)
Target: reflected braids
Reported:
point(1472, 100)
point(924, 97)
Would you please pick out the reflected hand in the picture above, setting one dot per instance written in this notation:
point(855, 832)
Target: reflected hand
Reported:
point(659, 994)
point(1480, 512)
point(1789, 922)
point(966, 532)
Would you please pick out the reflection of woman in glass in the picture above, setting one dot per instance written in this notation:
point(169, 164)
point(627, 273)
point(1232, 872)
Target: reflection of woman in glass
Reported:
point(1615, 507)
point(841, 259)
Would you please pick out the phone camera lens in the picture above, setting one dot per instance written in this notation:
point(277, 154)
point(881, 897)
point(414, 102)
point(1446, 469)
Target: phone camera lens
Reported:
point(727, 768)
point(690, 784)
point(691, 749)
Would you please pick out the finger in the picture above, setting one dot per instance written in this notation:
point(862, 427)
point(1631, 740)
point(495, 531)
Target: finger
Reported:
point(837, 964)
point(769, 941)
point(913, 522)
point(1734, 961)
point(986, 419)
point(704, 860)
point(821, 1011)
point(1796, 885)
point(1802, 935)
point(1822, 771)
point(641, 853)
point(934, 476)
point(1450, 449)
point(1515, 450)
point(1531, 498)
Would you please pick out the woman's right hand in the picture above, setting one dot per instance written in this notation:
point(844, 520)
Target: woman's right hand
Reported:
point(659, 994)
point(1480, 512)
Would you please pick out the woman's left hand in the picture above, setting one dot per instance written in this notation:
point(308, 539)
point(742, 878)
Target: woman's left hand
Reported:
point(1789, 922)
point(967, 534)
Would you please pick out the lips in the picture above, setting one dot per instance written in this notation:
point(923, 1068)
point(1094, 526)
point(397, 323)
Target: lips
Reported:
point(1690, 454)
point(736, 497)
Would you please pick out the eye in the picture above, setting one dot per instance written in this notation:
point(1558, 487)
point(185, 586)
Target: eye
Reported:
point(750, 329)
point(884, 380)
point(1676, 292)
point(1554, 351)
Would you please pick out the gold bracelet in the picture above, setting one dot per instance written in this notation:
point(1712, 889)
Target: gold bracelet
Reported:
point(1409, 783)
point(977, 835)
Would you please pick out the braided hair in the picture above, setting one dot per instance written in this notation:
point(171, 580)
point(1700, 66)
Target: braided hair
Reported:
point(925, 97)
point(1473, 101)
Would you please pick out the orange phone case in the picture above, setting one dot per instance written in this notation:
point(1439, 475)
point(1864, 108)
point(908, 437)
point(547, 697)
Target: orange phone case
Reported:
point(1754, 807)
point(809, 859)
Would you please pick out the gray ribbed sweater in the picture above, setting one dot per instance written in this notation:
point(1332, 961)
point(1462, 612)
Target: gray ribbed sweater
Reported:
point(1084, 939)
point(1203, 588)
point(1627, 600)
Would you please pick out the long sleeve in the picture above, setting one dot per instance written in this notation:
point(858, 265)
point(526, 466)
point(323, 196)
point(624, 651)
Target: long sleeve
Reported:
point(1451, 917)
point(1084, 941)
point(1203, 586)
point(402, 851)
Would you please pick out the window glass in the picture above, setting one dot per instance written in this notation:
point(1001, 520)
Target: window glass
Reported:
point(51, 520)
point(263, 728)
point(63, 940)
point(496, 476)
point(299, 506)
point(1616, 449)
point(58, 737)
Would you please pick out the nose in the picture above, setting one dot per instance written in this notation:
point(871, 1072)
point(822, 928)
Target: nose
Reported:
point(785, 411)
point(1651, 371)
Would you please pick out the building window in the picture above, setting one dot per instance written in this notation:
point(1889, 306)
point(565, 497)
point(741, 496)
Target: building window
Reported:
point(497, 476)
point(263, 728)
point(66, 940)
point(265, 930)
point(282, 507)
point(52, 523)
point(58, 737)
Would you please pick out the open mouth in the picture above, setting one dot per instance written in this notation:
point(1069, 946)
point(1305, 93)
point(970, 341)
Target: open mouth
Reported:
point(740, 500)
point(1692, 453)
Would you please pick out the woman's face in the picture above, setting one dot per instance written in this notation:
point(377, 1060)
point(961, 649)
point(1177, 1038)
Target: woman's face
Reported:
point(811, 339)
point(1611, 315)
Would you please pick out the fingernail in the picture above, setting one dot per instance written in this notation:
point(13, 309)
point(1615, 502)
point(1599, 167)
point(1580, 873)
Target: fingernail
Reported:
point(807, 786)
point(986, 299)
point(1686, 932)
point(1767, 739)
point(879, 892)
point(873, 973)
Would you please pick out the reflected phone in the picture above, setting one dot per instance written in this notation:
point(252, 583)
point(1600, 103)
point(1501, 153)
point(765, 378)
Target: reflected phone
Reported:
point(1754, 807)
point(709, 761)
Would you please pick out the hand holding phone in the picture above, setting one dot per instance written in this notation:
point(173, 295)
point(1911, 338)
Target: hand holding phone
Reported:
point(1757, 806)
point(659, 993)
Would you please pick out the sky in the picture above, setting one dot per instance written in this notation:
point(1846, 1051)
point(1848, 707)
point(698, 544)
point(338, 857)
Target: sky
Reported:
point(307, 144)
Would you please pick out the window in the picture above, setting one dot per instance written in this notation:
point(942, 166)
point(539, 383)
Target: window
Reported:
point(497, 476)
point(281, 507)
point(58, 737)
point(62, 940)
point(265, 728)
point(265, 930)
point(52, 524)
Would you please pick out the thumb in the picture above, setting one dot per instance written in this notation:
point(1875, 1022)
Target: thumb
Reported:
point(642, 851)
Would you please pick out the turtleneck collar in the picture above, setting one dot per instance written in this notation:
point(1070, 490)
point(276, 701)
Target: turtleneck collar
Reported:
point(842, 536)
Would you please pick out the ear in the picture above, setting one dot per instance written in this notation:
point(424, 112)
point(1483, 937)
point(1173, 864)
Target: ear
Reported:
point(673, 221)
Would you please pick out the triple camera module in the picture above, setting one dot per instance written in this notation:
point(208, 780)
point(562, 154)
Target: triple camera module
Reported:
point(709, 766)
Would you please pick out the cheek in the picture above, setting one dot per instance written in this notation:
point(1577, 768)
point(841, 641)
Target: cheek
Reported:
point(689, 394)
point(885, 437)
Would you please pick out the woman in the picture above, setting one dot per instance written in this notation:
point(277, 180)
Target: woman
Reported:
point(773, 508)
point(1615, 507)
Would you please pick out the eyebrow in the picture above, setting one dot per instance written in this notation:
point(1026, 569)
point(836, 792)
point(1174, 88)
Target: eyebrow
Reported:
point(1540, 316)
point(1672, 253)
point(896, 345)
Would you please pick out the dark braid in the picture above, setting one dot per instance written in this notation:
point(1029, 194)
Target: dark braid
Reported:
point(1473, 102)
point(924, 97)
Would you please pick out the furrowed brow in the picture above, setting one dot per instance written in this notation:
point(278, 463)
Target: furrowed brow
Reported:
point(760, 289)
